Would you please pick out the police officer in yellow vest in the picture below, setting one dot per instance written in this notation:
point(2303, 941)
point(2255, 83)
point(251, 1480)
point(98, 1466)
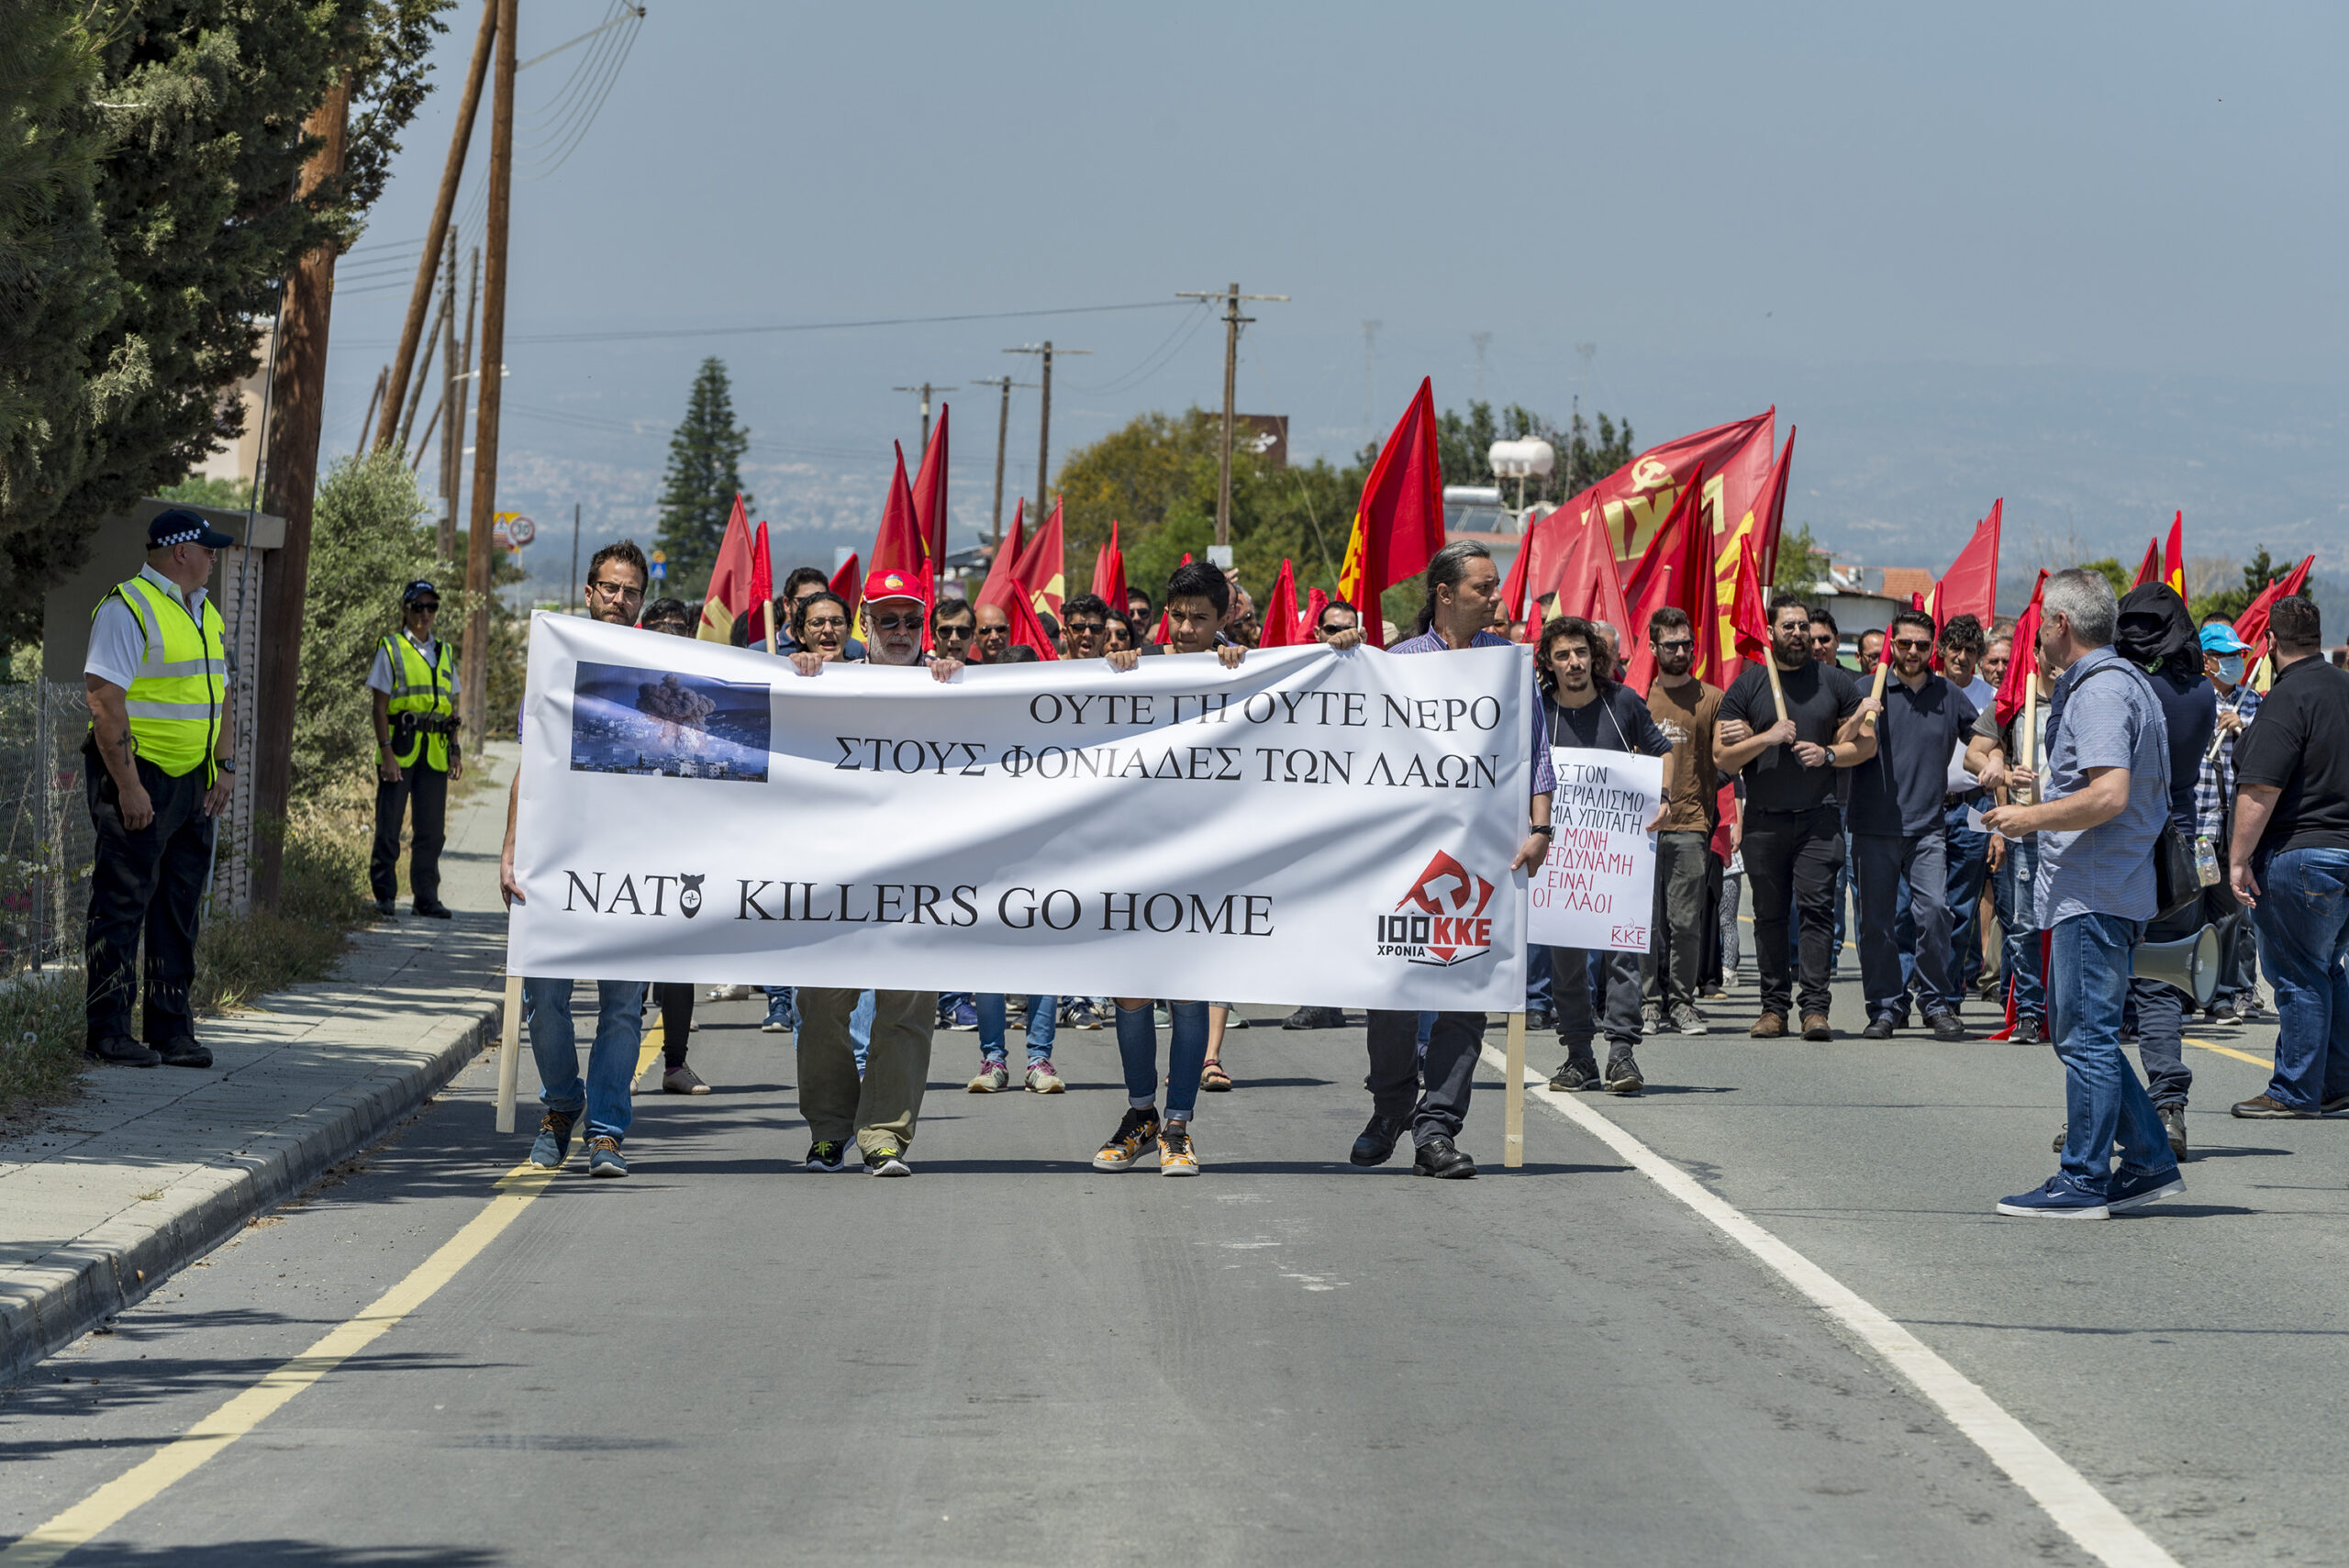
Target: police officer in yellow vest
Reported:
point(160, 767)
point(415, 683)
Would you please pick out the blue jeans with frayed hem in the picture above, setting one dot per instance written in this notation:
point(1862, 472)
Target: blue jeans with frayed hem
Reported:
point(2089, 958)
point(1186, 1056)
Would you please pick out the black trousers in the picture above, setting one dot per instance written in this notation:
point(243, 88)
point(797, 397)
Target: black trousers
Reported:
point(1668, 973)
point(149, 884)
point(1791, 859)
point(1432, 1092)
point(1619, 1006)
point(676, 1000)
point(426, 789)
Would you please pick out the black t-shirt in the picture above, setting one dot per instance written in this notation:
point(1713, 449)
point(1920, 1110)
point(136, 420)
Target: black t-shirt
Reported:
point(2191, 709)
point(1820, 697)
point(2300, 742)
point(1617, 721)
point(1900, 789)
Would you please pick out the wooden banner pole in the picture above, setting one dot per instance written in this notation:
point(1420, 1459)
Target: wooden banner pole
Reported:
point(1513, 1096)
point(509, 1061)
point(1883, 663)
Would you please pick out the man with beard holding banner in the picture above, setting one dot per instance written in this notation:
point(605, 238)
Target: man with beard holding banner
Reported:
point(1463, 590)
point(879, 1107)
point(1584, 709)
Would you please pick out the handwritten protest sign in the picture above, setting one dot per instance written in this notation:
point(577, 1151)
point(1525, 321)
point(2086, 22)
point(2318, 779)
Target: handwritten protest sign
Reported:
point(1598, 888)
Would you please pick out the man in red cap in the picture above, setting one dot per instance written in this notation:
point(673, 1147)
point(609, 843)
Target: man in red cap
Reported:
point(879, 1109)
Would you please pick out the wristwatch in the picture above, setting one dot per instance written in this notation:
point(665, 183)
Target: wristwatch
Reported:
point(225, 764)
point(1548, 831)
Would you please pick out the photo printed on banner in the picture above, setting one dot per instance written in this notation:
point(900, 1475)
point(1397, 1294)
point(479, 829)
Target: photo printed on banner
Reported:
point(625, 719)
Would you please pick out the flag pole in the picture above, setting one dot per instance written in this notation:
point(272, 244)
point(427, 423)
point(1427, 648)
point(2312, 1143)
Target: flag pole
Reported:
point(1883, 663)
point(1777, 692)
point(1513, 1095)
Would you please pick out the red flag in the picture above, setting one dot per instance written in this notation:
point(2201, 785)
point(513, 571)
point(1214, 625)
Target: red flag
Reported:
point(929, 495)
point(1633, 500)
point(730, 590)
point(1970, 586)
point(1315, 603)
point(1165, 631)
point(2150, 569)
point(2173, 556)
point(1762, 523)
point(898, 546)
point(762, 589)
point(1398, 524)
point(849, 586)
point(1677, 570)
point(1589, 584)
point(1109, 573)
point(1038, 569)
point(1000, 587)
point(1513, 585)
point(2022, 660)
point(1026, 628)
point(1749, 616)
point(2251, 625)
point(1281, 628)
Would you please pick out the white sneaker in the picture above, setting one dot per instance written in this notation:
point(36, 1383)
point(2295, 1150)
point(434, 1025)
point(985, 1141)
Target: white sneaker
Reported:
point(729, 993)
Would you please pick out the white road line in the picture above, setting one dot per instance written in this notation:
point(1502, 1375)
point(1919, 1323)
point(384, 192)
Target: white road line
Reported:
point(2084, 1513)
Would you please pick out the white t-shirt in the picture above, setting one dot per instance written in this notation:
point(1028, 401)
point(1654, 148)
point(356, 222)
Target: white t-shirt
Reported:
point(118, 642)
point(379, 675)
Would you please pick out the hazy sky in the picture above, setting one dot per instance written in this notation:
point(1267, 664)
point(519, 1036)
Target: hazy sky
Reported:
point(2082, 256)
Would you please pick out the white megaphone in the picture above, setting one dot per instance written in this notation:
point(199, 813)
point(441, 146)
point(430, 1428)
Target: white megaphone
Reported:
point(2190, 963)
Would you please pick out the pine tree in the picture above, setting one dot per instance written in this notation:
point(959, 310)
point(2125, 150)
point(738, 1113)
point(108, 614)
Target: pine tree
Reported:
point(704, 477)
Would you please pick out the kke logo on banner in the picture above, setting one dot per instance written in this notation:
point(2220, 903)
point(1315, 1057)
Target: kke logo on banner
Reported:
point(1442, 921)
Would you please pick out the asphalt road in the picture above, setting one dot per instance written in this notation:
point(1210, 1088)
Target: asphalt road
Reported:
point(1013, 1358)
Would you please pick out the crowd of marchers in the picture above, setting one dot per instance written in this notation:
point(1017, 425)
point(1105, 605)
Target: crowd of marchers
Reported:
point(2159, 782)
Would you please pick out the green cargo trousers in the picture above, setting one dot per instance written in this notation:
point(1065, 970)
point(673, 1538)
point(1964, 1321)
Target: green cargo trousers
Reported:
point(880, 1110)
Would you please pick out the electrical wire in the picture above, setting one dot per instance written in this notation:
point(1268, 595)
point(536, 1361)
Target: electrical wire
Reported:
point(566, 134)
point(661, 333)
point(1157, 359)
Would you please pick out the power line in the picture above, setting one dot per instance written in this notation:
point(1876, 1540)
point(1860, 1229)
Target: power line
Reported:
point(651, 334)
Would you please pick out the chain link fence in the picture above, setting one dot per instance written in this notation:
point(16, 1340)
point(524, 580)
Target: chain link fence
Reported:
point(45, 840)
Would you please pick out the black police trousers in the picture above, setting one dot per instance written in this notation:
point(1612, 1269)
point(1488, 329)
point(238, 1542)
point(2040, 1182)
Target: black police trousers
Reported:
point(149, 882)
point(426, 788)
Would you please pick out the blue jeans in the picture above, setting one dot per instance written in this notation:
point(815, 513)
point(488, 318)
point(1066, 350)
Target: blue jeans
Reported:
point(1538, 995)
point(1893, 870)
point(1043, 1021)
point(611, 1060)
point(1186, 1056)
point(2102, 1098)
point(2019, 945)
point(1969, 864)
point(2303, 920)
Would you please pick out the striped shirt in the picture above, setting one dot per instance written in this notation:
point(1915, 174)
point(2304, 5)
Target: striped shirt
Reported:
point(2214, 787)
point(1545, 778)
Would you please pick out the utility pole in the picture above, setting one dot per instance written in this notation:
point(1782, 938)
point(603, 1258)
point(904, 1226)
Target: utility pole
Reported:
point(383, 379)
point(1043, 420)
point(567, 593)
point(1232, 322)
point(1002, 428)
point(293, 468)
point(479, 545)
point(452, 422)
point(1369, 345)
point(416, 398)
point(465, 374)
point(925, 389)
point(1482, 341)
point(459, 140)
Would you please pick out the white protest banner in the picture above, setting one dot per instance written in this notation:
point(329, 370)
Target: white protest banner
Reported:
point(1597, 889)
point(1312, 826)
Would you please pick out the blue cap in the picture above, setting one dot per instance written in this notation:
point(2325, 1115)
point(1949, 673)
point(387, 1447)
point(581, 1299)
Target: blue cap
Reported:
point(177, 525)
point(2219, 638)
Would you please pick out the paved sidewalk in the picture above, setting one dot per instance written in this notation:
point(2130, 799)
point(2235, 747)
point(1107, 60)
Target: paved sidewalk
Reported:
point(151, 1168)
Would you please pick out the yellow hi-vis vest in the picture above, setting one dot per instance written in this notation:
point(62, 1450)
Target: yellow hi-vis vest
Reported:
point(174, 701)
point(421, 685)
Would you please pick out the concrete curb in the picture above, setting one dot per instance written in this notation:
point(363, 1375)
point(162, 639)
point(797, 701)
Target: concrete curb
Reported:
point(115, 1265)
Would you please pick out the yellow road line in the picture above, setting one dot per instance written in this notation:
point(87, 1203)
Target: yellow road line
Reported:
point(243, 1413)
point(2238, 1055)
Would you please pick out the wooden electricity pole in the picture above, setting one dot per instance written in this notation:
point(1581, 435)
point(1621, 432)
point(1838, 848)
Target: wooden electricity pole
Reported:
point(465, 374)
point(459, 140)
point(291, 462)
point(479, 544)
point(1043, 421)
point(453, 420)
point(1002, 428)
point(925, 389)
point(1232, 322)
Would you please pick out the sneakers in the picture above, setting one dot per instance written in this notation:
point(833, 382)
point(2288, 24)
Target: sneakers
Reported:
point(1879, 1028)
point(1081, 1015)
point(1769, 1026)
point(682, 1080)
point(995, 1076)
point(1652, 1019)
point(779, 1020)
point(886, 1161)
point(2221, 1010)
point(729, 994)
point(604, 1157)
point(1540, 1020)
point(1134, 1136)
point(2265, 1107)
point(1043, 1078)
point(2124, 1191)
point(121, 1050)
point(1575, 1073)
point(1685, 1018)
point(1175, 1155)
point(386, 908)
point(826, 1154)
point(2029, 1030)
point(2174, 1123)
point(183, 1050)
point(1814, 1027)
point(965, 1016)
point(2057, 1198)
point(1315, 1018)
point(1623, 1075)
point(552, 1145)
point(1947, 1027)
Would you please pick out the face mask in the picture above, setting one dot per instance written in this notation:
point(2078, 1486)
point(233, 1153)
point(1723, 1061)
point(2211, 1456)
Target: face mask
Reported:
point(2231, 668)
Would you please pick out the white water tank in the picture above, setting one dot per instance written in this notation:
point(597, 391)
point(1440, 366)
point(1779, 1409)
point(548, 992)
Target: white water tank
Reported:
point(1521, 460)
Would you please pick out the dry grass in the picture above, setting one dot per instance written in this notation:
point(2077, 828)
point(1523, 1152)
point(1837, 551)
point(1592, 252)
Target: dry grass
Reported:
point(322, 897)
point(40, 1039)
